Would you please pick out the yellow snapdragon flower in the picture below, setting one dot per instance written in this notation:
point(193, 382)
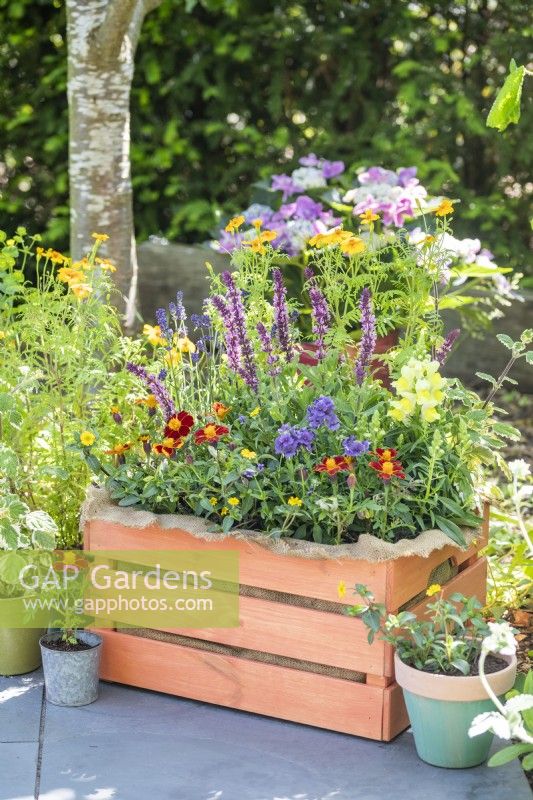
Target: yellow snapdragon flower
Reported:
point(419, 386)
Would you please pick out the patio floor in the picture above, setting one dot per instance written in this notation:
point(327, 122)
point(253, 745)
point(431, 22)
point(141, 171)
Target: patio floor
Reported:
point(139, 745)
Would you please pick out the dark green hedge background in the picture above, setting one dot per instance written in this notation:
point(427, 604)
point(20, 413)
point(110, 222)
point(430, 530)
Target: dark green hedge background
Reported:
point(227, 91)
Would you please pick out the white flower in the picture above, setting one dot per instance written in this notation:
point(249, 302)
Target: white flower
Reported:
point(491, 721)
point(508, 725)
point(519, 468)
point(500, 639)
point(309, 178)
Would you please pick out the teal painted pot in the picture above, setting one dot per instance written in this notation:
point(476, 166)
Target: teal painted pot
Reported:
point(441, 709)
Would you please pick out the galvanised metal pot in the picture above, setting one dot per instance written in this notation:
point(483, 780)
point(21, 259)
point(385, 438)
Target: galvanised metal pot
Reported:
point(71, 677)
point(442, 707)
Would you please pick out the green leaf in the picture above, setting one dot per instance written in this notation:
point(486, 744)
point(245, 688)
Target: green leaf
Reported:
point(451, 529)
point(130, 500)
point(505, 340)
point(508, 754)
point(508, 431)
point(506, 106)
point(529, 357)
point(485, 377)
point(527, 762)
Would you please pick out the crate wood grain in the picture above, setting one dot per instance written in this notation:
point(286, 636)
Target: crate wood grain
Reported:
point(373, 708)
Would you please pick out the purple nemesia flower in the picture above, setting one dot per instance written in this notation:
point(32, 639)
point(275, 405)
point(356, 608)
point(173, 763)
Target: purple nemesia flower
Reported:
point(156, 388)
point(284, 183)
point(354, 448)
point(281, 315)
point(330, 169)
point(291, 438)
point(406, 175)
point(235, 323)
point(320, 315)
point(249, 473)
point(321, 412)
point(306, 208)
point(368, 339)
point(445, 349)
point(309, 161)
point(241, 418)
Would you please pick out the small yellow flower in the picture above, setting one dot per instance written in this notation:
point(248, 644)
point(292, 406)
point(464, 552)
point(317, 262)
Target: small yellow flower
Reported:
point(368, 216)
point(87, 438)
point(173, 357)
point(341, 589)
point(257, 223)
point(105, 265)
point(433, 589)
point(68, 274)
point(100, 237)
point(233, 501)
point(81, 290)
point(224, 511)
point(445, 208)
point(3, 335)
point(40, 252)
point(213, 501)
point(245, 453)
point(255, 412)
point(295, 501)
point(256, 245)
point(153, 334)
point(234, 224)
point(268, 236)
point(185, 345)
point(352, 246)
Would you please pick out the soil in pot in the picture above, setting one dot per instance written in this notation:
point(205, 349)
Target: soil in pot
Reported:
point(492, 664)
point(67, 647)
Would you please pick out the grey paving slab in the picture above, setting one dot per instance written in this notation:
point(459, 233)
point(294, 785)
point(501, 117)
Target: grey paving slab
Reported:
point(137, 745)
point(20, 707)
point(18, 761)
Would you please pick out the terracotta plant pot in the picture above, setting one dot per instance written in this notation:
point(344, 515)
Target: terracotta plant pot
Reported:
point(441, 709)
point(383, 345)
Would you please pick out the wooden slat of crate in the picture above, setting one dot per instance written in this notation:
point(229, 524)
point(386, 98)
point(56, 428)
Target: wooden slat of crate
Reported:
point(267, 689)
point(305, 634)
point(392, 582)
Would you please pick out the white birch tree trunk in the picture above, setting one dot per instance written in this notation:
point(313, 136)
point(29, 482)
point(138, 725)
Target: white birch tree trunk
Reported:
point(102, 39)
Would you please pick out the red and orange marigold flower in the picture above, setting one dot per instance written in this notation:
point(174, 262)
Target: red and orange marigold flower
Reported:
point(220, 410)
point(386, 464)
point(210, 434)
point(334, 464)
point(168, 446)
point(179, 425)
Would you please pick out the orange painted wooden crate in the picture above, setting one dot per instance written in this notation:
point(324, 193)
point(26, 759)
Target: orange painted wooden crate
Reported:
point(371, 706)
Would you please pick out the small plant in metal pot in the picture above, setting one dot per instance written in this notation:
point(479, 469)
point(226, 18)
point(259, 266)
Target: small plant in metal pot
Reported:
point(437, 664)
point(71, 655)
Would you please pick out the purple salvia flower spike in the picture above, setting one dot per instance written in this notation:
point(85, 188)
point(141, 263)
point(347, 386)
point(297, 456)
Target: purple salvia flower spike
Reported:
point(266, 346)
point(321, 318)
point(236, 323)
point(368, 339)
point(281, 315)
point(155, 387)
point(445, 349)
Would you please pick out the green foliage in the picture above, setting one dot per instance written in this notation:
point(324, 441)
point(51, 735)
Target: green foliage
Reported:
point(448, 642)
point(506, 107)
point(225, 92)
point(58, 341)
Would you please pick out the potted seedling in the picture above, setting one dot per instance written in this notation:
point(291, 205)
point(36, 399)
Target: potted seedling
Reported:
point(71, 655)
point(438, 660)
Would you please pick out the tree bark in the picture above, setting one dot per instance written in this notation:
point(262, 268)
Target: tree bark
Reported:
point(102, 38)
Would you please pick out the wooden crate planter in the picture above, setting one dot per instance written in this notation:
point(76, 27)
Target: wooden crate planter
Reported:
point(351, 687)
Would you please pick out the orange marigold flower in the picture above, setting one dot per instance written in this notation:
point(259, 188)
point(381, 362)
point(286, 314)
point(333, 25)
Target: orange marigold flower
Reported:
point(388, 469)
point(179, 425)
point(210, 434)
point(149, 401)
point(118, 449)
point(268, 236)
point(444, 208)
point(68, 274)
point(80, 290)
point(100, 237)
point(256, 245)
point(333, 464)
point(234, 224)
point(387, 454)
point(220, 410)
point(167, 446)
